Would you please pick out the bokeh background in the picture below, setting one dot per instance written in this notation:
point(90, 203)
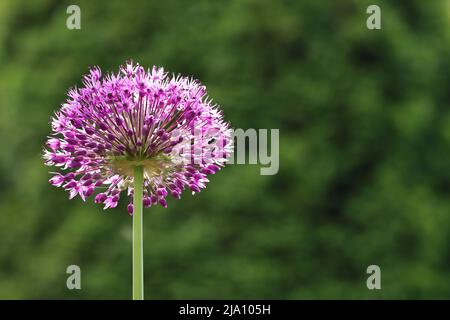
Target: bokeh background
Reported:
point(364, 150)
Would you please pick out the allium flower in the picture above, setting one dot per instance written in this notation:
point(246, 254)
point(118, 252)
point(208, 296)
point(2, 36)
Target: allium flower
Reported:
point(165, 125)
point(137, 131)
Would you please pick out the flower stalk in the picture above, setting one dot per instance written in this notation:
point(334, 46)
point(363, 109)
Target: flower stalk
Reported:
point(138, 264)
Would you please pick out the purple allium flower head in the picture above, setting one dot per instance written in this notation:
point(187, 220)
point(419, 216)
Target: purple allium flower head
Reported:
point(136, 117)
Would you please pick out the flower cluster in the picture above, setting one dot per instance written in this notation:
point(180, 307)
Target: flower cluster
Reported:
point(166, 124)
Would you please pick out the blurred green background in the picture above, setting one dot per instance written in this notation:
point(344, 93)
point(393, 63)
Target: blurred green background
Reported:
point(364, 150)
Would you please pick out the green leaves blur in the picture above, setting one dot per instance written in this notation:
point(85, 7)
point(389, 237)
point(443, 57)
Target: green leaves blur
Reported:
point(364, 139)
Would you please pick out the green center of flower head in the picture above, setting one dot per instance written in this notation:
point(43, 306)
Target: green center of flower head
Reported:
point(155, 166)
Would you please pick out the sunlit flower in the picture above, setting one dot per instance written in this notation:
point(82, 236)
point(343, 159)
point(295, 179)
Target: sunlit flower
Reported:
point(166, 124)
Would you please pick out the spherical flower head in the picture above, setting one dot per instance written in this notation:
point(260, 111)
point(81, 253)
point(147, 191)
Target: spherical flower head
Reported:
point(166, 124)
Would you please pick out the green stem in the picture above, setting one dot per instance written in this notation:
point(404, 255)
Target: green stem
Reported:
point(138, 264)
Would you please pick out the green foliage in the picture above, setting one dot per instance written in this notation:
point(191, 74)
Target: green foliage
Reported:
point(364, 150)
